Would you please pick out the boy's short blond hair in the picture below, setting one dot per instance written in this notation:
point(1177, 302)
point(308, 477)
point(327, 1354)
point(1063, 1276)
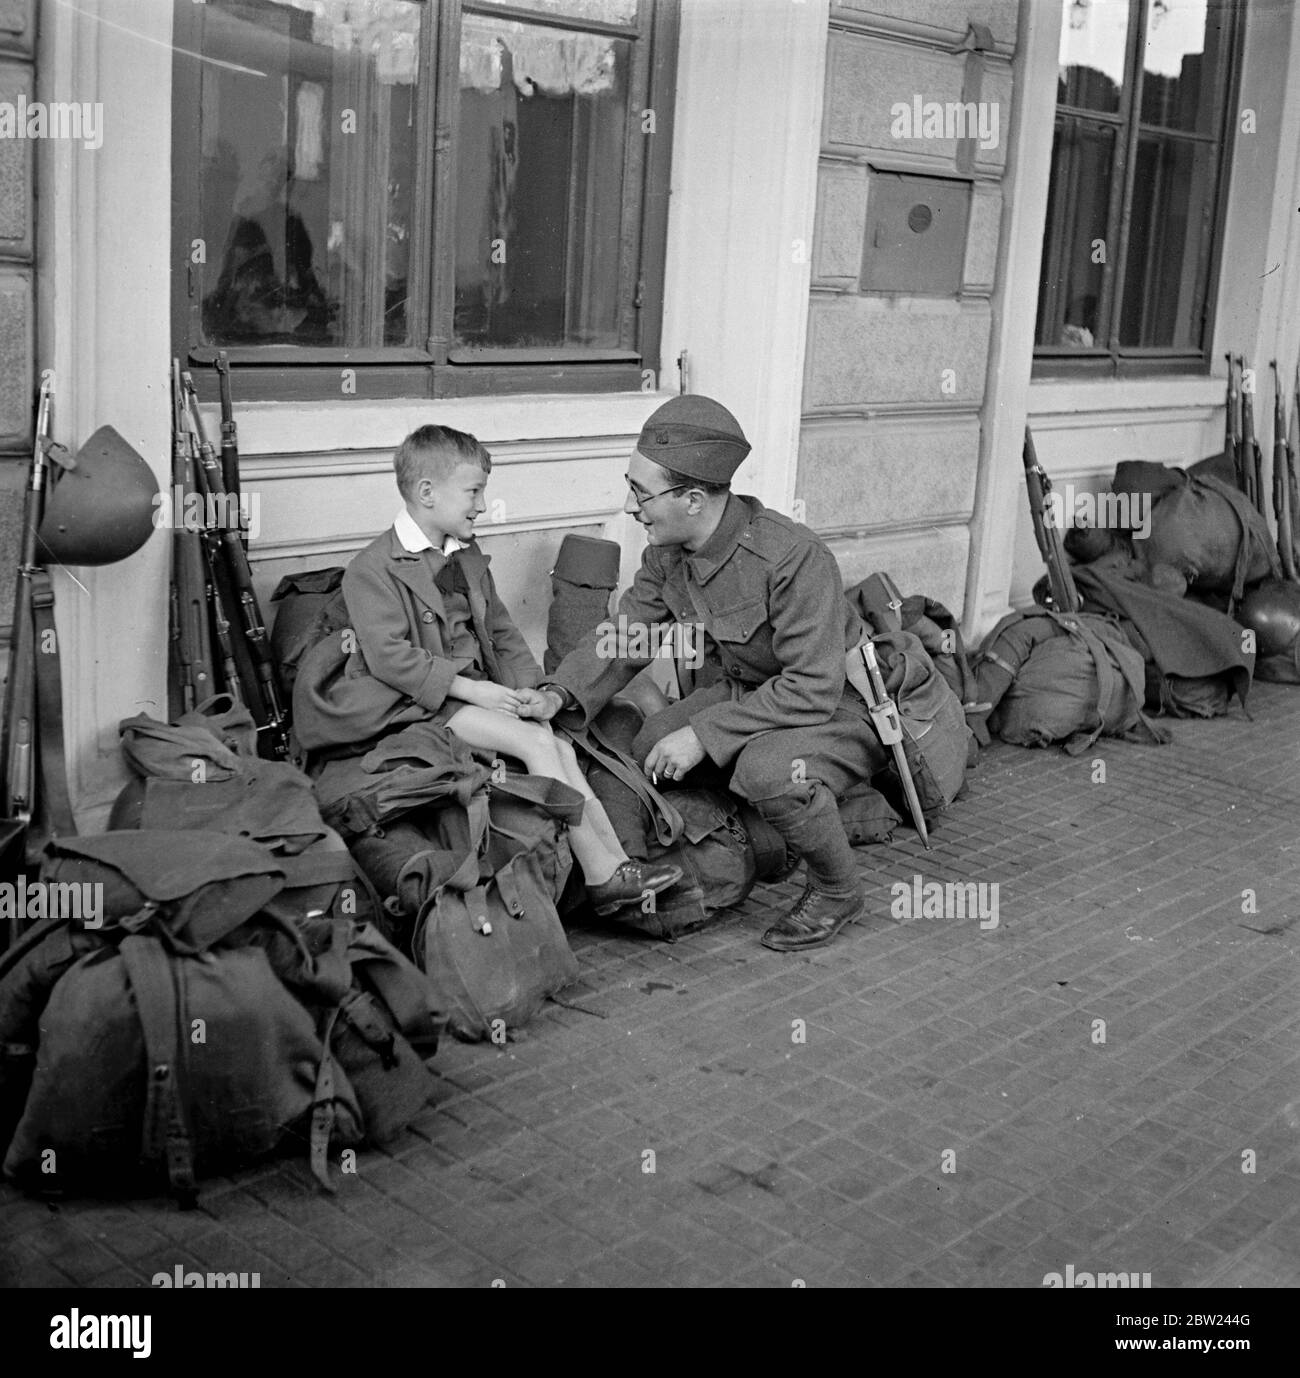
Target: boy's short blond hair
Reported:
point(434, 452)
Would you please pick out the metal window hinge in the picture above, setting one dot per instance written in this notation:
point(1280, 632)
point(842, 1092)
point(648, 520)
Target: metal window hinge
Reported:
point(639, 297)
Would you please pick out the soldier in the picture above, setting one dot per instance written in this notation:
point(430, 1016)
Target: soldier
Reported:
point(771, 706)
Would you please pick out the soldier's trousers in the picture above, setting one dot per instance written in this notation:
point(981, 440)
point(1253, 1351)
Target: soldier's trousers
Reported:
point(792, 776)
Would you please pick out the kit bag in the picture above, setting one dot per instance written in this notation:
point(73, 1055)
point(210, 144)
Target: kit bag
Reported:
point(1209, 532)
point(308, 607)
point(161, 1046)
point(310, 1026)
point(373, 1010)
point(724, 849)
point(488, 937)
point(206, 744)
point(1068, 678)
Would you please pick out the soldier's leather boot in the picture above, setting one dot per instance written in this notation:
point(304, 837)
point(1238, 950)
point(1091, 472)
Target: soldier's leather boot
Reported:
point(809, 820)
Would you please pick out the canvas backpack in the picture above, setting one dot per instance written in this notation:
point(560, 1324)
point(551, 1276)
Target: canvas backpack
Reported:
point(487, 934)
point(1063, 677)
point(161, 1051)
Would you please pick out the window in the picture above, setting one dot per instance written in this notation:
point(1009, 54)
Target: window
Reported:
point(422, 197)
point(1138, 185)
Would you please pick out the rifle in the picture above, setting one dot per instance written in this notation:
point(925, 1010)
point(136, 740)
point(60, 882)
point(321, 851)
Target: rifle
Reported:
point(229, 442)
point(34, 787)
point(19, 731)
point(1292, 462)
point(1232, 426)
point(1252, 457)
point(191, 644)
point(1065, 597)
point(1281, 498)
point(261, 690)
point(204, 462)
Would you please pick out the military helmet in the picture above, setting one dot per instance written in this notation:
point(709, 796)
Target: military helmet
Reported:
point(1272, 611)
point(102, 508)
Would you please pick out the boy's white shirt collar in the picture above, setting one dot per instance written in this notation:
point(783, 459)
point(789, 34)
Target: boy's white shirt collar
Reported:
point(414, 540)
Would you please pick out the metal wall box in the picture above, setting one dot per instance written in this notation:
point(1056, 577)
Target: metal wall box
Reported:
point(916, 234)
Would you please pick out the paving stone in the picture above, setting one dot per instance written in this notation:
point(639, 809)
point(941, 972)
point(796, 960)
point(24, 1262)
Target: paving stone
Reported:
point(821, 1160)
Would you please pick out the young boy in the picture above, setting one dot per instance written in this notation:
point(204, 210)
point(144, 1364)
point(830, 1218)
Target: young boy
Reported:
point(429, 624)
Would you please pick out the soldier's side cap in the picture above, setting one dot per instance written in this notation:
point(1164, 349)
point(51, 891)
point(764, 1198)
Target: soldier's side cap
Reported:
point(696, 436)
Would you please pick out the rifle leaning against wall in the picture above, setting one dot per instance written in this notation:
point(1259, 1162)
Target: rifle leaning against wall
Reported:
point(1292, 463)
point(234, 599)
point(1252, 460)
point(230, 443)
point(1232, 427)
point(1065, 597)
point(34, 788)
point(191, 646)
point(1281, 497)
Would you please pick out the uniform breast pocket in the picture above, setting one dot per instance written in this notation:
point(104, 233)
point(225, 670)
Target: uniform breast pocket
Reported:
point(738, 624)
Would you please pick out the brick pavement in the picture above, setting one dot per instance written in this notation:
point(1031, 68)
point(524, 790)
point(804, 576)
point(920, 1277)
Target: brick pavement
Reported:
point(924, 1041)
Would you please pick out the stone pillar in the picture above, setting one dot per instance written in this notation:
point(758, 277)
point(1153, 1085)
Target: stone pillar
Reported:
point(105, 278)
point(895, 381)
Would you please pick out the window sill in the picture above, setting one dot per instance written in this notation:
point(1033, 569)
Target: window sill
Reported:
point(280, 428)
point(1062, 396)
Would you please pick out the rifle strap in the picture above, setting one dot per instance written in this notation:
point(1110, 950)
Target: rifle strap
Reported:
point(166, 1134)
point(53, 803)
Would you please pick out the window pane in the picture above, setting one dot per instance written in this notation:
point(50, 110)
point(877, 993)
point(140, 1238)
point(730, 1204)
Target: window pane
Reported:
point(1169, 243)
point(607, 11)
point(1078, 201)
point(1184, 65)
point(539, 200)
point(307, 113)
point(1094, 40)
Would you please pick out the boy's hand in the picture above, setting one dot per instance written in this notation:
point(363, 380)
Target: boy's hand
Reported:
point(500, 699)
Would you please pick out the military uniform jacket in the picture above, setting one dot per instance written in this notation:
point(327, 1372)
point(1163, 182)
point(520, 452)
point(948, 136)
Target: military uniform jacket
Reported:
point(402, 627)
point(768, 595)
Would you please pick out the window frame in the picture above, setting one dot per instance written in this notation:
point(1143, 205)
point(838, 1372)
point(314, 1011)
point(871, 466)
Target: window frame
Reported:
point(1110, 359)
point(432, 369)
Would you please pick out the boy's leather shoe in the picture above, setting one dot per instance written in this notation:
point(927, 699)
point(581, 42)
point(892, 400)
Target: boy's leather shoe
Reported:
point(814, 920)
point(629, 884)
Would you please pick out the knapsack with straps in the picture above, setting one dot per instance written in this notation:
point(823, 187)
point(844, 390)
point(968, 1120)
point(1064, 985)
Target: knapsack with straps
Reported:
point(722, 844)
point(1063, 677)
point(271, 1025)
point(166, 1050)
point(487, 934)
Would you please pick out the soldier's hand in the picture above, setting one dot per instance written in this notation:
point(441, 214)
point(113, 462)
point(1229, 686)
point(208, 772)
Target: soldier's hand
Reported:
point(672, 756)
point(542, 704)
